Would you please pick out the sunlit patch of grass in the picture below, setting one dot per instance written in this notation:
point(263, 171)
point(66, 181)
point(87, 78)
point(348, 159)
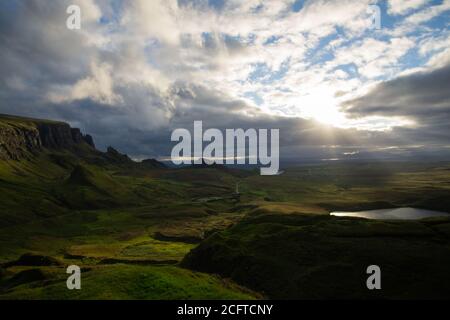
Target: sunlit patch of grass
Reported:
point(141, 248)
point(135, 282)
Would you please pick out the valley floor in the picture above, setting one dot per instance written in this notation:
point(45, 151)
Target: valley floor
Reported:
point(180, 234)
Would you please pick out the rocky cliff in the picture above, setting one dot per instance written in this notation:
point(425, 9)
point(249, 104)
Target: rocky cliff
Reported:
point(23, 137)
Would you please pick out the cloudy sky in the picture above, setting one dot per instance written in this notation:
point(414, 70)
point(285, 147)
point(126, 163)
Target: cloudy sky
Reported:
point(334, 85)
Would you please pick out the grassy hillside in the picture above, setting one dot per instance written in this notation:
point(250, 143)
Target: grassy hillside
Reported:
point(303, 256)
point(130, 282)
point(357, 186)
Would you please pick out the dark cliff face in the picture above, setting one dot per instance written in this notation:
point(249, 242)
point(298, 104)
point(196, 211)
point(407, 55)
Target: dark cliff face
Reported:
point(21, 138)
point(78, 137)
point(61, 135)
point(89, 140)
point(18, 143)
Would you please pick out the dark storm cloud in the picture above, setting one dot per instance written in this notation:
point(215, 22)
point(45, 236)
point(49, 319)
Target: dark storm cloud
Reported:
point(424, 96)
point(37, 50)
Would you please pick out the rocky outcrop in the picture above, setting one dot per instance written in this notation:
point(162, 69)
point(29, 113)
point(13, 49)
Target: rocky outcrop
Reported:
point(78, 137)
point(116, 157)
point(55, 135)
point(89, 140)
point(18, 143)
point(21, 138)
point(61, 135)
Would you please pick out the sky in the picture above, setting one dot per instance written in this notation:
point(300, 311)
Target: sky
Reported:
point(336, 86)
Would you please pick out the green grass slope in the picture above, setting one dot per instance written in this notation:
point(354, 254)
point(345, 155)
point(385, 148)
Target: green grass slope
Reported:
point(128, 282)
point(302, 256)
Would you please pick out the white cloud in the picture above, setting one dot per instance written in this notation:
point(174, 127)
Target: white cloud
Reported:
point(98, 87)
point(428, 13)
point(374, 57)
point(401, 7)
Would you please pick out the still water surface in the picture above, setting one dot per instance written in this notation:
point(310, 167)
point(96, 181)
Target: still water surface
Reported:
point(391, 214)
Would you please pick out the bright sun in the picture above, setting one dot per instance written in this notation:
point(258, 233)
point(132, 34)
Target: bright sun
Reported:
point(322, 106)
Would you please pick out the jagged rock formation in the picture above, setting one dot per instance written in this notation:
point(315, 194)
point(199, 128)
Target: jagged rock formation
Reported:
point(78, 137)
point(89, 140)
point(116, 157)
point(22, 137)
point(16, 143)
